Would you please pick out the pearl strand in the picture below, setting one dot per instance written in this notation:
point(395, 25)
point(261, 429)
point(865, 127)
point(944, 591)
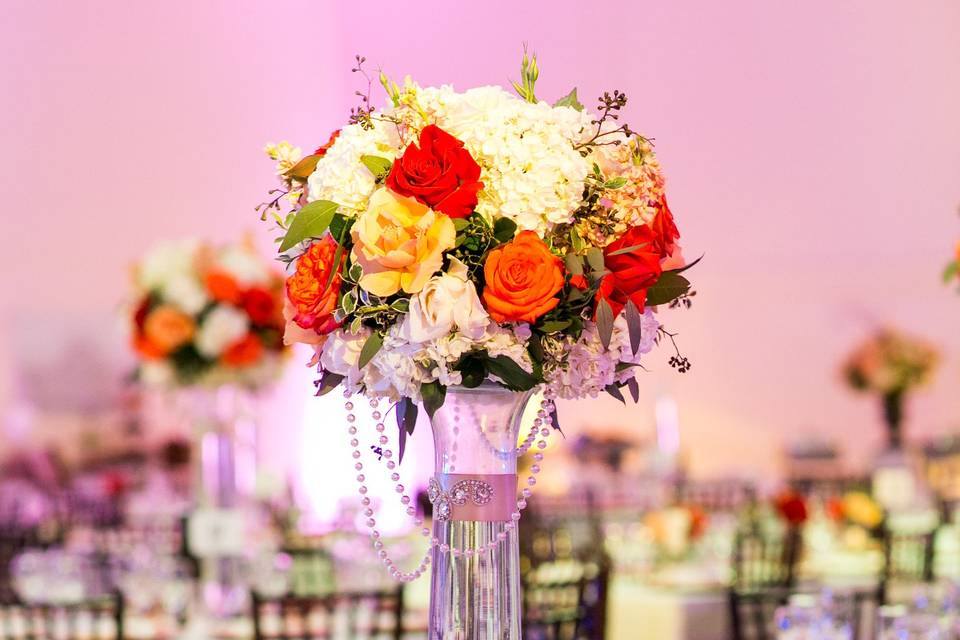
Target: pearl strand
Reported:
point(542, 422)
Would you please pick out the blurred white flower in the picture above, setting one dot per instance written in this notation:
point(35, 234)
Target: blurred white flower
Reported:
point(165, 262)
point(184, 292)
point(246, 267)
point(220, 328)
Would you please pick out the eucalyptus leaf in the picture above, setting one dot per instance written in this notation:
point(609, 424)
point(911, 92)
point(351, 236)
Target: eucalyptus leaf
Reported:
point(328, 382)
point(310, 222)
point(574, 264)
point(378, 166)
point(604, 322)
point(614, 391)
point(570, 100)
point(634, 325)
point(576, 241)
point(670, 286)
point(552, 326)
point(629, 249)
point(555, 419)
point(595, 259)
point(406, 411)
point(634, 387)
point(433, 394)
point(370, 349)
point(686, 266)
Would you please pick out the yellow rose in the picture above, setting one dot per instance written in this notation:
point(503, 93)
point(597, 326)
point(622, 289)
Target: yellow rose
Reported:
point(399, 243)
point(860, 508)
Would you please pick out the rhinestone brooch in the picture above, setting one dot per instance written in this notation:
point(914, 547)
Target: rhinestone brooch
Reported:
point(477, 491)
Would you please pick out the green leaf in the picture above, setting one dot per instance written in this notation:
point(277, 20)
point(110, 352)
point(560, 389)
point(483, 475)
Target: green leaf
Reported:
point(370, 348)
point(402, 305)
point(406, 411)
point(378, 166)
point(634, 387)
point(302, 170)
point(595, 259)
point(328, 382)
point(348, 303)
point(356, 325)
point(614, 390)
point(615, 183)
point(311, 221)
point(504, 229)
point(634, 325)
point(340, 227)
point(433, 394)
point(576, 241)
point(604, 322)
point(670, 286)
point(460, 224)
point(569, 100)
point(552, 326)
point(356, 272)
point(472, 371)
point(555, 419)
point(512, 375)
point(574, 264)
point(623, 366)
point(535, 349)
point(337, 264)
point(951, 271)
point(629, 249)
point(686, 266)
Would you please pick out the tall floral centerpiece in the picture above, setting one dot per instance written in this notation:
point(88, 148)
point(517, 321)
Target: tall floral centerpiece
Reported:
point(890, 364)
point(457, 252)
point(951, 274)
point(207, 325)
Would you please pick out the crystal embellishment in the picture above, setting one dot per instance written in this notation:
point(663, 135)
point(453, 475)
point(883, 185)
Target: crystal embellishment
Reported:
point(477, 491)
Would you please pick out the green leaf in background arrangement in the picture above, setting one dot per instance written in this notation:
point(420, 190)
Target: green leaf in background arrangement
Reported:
point(433, 394)
point(378, 166)
point(634, 325)
point(310, 222)
point(604, 322)
point(574, 264)
point(302, 170)
point(328, 382)
point(670, 286)
point(504, 230)
point(512, 374)
point(634, 387)
point(614, 390)
point(370, 349)
point(951, 272)
point(595, 260)
point(569, 100)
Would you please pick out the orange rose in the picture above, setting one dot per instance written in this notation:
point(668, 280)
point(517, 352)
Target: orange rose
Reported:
point(166, 329)
point(223, 287)
point(313, 304)
point(522, 279)
point(243, 352)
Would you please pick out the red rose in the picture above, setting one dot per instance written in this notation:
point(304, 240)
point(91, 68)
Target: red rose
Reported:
point(260, 305)
point(792, 508)
point(630, 273)
point(665, 230)
point(322, 150)
point(440, 173)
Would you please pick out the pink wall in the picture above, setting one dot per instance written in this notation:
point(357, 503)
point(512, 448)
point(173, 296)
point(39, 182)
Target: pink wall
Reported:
point(812, 149)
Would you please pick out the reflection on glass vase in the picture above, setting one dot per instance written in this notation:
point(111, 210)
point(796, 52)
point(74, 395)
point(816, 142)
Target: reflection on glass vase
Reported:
point(476, 596)
point(222, 422)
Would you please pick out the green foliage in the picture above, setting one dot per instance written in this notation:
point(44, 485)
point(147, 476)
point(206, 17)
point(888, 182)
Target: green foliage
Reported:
point(529, 72)
point(670, 286)
point(378, 166)
point(512, 375)
point(370, 348)
point(474, 239)
point(433, 394)
point(570, 100)
point(310, 222)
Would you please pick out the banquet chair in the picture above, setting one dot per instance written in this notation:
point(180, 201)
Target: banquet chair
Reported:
point(764, 574)
point(97, 619)
point(569, 606)
point(375, 615)
point(728, 495)
point(908, 558)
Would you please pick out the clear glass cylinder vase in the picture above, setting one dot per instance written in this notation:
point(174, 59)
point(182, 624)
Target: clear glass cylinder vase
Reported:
point(473, 492)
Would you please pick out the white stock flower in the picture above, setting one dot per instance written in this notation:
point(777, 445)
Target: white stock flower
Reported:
point(165, 262)
point(448, 301)
point(222, 327)
point(246, 267)
point(184, 292)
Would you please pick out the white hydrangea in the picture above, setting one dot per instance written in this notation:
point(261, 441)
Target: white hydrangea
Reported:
point(165, 262)
point(220, 328)
point(185, 292)
point(340, 175)
point(246, 267)
point(530, 170)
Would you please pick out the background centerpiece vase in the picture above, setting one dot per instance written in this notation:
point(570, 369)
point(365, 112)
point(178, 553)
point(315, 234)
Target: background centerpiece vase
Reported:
point(893, 417)
point(476, 596)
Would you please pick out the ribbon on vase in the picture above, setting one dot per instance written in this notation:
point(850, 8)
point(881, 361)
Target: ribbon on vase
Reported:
point(472, 496)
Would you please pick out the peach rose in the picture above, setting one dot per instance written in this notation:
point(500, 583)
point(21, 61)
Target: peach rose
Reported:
point(522, 279)
point(399, 243)
point(168, 329)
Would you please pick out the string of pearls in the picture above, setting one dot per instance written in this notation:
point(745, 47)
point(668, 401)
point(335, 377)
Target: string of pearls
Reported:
point(541, 424)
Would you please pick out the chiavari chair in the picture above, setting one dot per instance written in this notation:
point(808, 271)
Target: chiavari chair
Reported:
point(97, 619)
point(764, 574)
point(375, 615)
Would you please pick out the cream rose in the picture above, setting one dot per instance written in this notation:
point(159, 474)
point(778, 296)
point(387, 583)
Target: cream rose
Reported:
point(341, 354)
point(399, 243)
point(446, 302)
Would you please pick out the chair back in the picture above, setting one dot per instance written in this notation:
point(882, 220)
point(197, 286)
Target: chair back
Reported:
point(764, 573)
point(567, 601)
point(908, 557)
point(725, 495)
point(100, 619)
point(375, 615)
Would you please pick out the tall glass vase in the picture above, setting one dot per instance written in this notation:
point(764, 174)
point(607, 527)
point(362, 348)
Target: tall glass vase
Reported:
point(225, 434)
point(474, 492)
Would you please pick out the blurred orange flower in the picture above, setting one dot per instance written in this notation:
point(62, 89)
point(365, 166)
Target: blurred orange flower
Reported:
point(223, 287)
point(166, 329)
point(245, 351)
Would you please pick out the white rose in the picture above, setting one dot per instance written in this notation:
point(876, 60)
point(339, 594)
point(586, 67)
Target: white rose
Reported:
point(446, 302)
point(184, 292)
point(246, 267)
point(222, 327)
point(341, 354)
